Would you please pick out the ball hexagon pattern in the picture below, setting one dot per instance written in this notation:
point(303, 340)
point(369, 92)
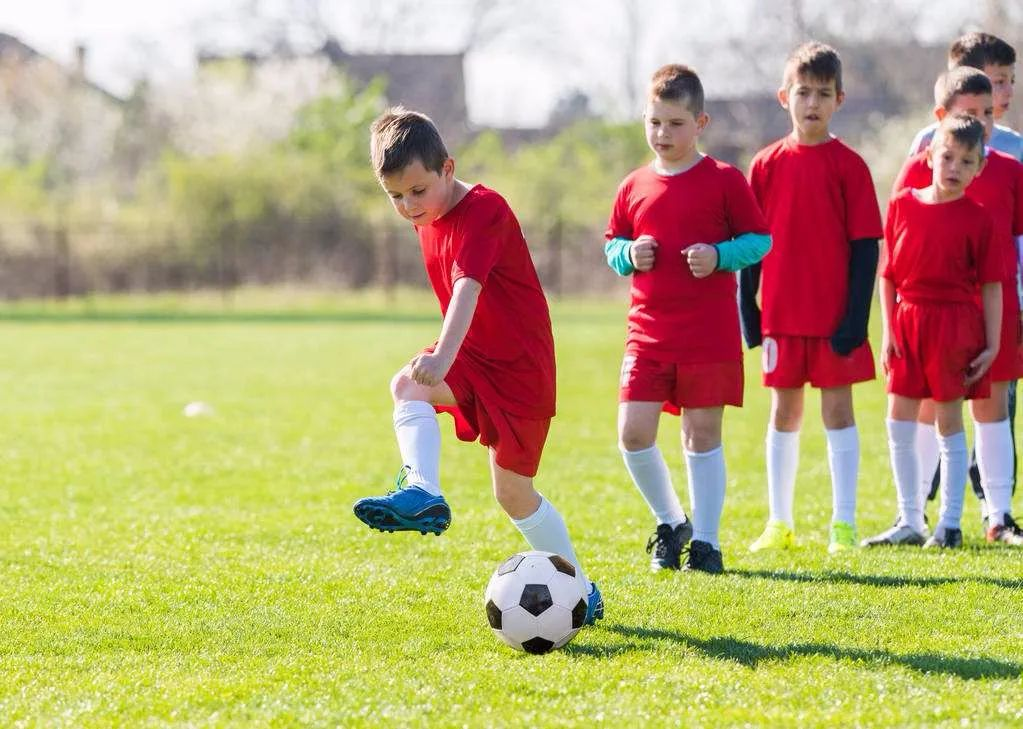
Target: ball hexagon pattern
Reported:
point(534, 602)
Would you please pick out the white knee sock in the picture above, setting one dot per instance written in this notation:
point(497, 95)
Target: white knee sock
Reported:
point(415, 425)
point(844, 461)
point(994, 459)
point(650, 474)
point(927, 457)
point(545, 531)
point(955, 466)
point(782, 463)
point(706, 472)
point(901, 446)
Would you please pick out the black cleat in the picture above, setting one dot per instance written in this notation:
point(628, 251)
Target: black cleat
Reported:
point(666, 546)
point(945, 539)
point(703, 557)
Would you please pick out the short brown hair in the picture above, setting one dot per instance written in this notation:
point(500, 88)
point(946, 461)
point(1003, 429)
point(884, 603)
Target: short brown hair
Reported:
point(980, 49)
point(817, 60)
point(676, 82)
point(961, 128)
point(958, 81)
point(399, 137)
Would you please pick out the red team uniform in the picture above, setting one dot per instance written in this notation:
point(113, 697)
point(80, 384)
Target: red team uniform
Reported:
point(503, 377)
point(999, 189)
point(683, 344)
point(937, 255)
point(817, 199)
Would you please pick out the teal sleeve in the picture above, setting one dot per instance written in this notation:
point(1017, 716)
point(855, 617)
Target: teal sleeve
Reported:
point(741, 251)
point(617, 252)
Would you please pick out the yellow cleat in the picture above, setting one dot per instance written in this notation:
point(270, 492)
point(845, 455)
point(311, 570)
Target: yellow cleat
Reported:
point(777, 535)
point(843, 537)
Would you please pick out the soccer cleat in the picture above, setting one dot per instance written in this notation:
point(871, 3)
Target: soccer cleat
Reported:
point(945, 539)
point(1007, 533)
point(703, 557)
point(666, 545)
point(777, 535)
point(898, 534)
point(405, 509)
point(843, 537)
point(594, 605)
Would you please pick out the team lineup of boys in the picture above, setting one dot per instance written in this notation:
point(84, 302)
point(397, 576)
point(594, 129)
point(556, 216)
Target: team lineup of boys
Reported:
point(797, 243)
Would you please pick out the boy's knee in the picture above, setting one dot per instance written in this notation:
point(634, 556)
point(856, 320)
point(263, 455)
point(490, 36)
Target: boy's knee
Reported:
point(698, 441)
point(634, 439)
point(404, 389)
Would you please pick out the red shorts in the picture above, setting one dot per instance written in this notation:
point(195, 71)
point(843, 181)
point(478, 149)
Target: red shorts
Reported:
point(517, 441)
point(937, 342)
point(1008, 365)
point(794, 361)
point(678, 386)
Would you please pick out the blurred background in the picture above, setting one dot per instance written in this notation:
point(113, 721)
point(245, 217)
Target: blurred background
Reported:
point(215, 144)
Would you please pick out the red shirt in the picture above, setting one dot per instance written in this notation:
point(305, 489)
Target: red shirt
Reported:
point(674, 316)
point(998, 187)
point(817, 199)
point(509, 342)
point(938, 252)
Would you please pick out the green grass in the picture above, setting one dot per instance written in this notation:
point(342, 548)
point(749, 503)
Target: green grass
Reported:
point(157, 569)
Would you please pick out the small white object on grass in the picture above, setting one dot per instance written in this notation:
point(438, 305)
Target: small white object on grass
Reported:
point(197, 409)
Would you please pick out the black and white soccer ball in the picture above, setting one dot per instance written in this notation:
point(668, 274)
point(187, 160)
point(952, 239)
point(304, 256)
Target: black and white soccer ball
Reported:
point(534, 602)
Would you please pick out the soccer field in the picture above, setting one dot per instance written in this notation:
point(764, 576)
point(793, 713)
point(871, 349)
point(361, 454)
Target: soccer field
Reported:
point(208, 571)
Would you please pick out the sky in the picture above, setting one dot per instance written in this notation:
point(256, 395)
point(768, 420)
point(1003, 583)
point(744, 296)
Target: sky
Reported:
point(515, 73)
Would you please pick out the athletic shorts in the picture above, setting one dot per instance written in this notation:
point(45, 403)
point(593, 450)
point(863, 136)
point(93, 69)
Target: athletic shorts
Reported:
point(517, 441)
point(793, 361)
point(679, 386)
point(937, 342)
point(1008, 365)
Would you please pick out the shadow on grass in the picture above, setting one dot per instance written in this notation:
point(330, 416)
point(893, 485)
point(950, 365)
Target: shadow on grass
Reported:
point(750, 654)
point(218, 317)
point(851, 578)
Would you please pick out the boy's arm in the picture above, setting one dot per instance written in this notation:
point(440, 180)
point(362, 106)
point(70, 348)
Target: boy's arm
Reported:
point(991, 296)
point(742, 251)
point(430, 369)
point(619, 258)
point(889, 347)
point(749, 313)
point(852, 330)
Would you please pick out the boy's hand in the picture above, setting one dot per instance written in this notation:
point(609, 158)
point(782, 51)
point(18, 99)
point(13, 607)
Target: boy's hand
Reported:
point(642, 253)
point(889, 349)
point(428, 369)
point(702, 259)
point(980, 365)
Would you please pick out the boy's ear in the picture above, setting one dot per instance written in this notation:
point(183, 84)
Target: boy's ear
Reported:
point(940, 112)
point(702, 121)
point(783, 98)
point(448, 168)
point(839, 98)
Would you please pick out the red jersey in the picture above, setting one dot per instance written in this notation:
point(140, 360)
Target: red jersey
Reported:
point(938, 252)
point(676, 317)
point(509, 342)
point(817, 199)
point(998, 187)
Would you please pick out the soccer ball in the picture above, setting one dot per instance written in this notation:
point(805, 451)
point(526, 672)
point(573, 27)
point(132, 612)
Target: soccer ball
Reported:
point(534, 602)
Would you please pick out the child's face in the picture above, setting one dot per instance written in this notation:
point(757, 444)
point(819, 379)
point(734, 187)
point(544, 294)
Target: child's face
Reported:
point(954, 165)
point(979, 106)
point(672, 130)
point(418, 194)
point(810, 103)
point(1003, 78)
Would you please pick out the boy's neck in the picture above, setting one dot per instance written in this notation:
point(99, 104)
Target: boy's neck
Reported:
point(459, 190)
point(677, 167)
point(810, 140)
point(934, 194)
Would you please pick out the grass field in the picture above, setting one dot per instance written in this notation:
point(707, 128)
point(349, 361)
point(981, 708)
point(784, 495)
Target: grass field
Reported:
point(158, 569)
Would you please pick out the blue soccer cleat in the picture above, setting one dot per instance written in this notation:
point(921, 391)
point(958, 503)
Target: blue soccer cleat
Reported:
point(405, 509)
point(594, 605)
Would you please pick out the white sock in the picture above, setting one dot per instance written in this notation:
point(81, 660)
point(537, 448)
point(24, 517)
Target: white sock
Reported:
point(706, 472)
point(650, 474)
point(844, 461)
point(955, 466)
point(928, 458)
point(782, 462)
point(545, 531)
point(994, 459)
point(415, 425)
point(901, 442)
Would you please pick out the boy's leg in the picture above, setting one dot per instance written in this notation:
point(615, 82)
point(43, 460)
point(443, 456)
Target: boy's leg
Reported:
point(994, 450)
point(927, 452)
point(541, 524)
point(420, 506)
point(705, 467)
point(954, 467)
point(843, 461)
point(782, 463)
